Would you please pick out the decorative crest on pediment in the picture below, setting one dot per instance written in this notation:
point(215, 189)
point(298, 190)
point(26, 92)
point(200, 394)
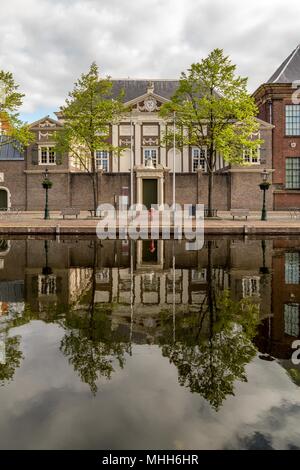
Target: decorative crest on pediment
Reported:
point(47, 123)
point(150, 105)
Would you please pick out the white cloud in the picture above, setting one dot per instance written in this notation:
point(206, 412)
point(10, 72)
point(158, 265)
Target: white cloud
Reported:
point(47, 44)
point(142, 406)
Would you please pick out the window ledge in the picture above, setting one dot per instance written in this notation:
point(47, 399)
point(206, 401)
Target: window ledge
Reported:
point(289, 191)
point(46, 164)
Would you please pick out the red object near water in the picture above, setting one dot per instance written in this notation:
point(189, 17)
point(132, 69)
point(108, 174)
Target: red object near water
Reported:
point(152, 246)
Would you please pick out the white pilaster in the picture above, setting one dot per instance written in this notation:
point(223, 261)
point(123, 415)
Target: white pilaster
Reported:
point(137, 146)
point(115, 143)
point(163, 150)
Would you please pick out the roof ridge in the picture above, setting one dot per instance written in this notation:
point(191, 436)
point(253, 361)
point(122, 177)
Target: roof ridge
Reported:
point(147, 79)
point(288, 70)
point(288, 62)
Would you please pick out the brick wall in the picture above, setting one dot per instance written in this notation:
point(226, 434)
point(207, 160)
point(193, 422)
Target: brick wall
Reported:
point(14, 181)
point(58, 194)
point(279, 95)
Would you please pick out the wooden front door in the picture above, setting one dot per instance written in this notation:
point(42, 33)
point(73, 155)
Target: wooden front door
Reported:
point(149, 192)
point(3, 200)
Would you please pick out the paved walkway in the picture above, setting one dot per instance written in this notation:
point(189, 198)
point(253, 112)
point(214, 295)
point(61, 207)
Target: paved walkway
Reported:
point(33, 222)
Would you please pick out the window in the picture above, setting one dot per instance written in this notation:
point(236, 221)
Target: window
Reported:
point(150, 153)
point(251, 156)
point(292, 264)
point(102, 159)
point(292, 119)
point(199, 275)
point(291, 319)
point(292, 173)
point(150, 282)
point(199, 158)
point(46, 284)
point(251, 286)
point(102, 276)
point(47, 156)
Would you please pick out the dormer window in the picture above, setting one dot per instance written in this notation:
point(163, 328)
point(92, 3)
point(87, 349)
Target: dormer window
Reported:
point(251, 156)
point(47, 155)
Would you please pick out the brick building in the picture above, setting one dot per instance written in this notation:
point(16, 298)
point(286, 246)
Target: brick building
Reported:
point(278, 102)
point(234, 186)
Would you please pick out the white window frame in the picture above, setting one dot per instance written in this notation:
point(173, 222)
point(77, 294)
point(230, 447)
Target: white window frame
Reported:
point(292, 119)
point(291, 319)
point(292, 267)
point(251, 286)
point(48, 147)
point(47, 284)
point(152, 150)
point(102, 156)
point(199, 275)
point(198, 160)
point(250, 157)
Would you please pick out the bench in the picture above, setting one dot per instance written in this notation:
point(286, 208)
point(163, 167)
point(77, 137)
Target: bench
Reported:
point(214, 212)
point(10, 211)
point(98, 214)
point(294, 212)
point(70, 211)
point(239, 213)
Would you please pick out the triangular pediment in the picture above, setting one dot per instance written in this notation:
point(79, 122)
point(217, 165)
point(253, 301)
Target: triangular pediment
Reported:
point(148, 103)
point(264, 124)
point(45, 123)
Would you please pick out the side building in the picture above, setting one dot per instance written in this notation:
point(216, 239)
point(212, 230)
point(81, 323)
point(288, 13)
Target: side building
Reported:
point(142, 131)
point(279, 104)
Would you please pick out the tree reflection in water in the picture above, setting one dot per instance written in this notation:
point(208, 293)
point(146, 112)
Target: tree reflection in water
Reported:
point(13, 357)
point(210, 347)
point(89, 343)
point(214, 345)
point(11, 344)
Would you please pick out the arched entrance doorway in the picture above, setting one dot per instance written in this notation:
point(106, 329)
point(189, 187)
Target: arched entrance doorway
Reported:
point(4, 199)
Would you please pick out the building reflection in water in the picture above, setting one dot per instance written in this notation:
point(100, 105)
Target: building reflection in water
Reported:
point(111, 295)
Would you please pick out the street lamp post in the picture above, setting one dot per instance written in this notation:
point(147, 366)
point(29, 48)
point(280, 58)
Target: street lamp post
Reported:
point(264, 186)
point(47, 184)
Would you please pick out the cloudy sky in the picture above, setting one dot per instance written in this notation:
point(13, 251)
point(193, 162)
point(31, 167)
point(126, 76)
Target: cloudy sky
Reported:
point(47, 406)
point(47, 44)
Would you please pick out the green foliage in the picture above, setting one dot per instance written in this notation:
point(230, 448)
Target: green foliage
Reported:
point(88, 112)
point(12, 359)
point(92, 347)
point(47, 183)
point(11, 99)
point(211, 353)
point(212, 103)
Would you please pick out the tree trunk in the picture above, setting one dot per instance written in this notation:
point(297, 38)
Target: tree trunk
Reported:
point(97, 188)
point(210, 193)
point(95, 182)
point(95, 198)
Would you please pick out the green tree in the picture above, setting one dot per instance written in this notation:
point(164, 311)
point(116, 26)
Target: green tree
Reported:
point(88, 113)
point(16, 132)
point(215, 112)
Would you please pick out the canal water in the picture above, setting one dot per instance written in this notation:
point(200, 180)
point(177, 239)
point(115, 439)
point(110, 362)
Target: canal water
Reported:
point(149, 344)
